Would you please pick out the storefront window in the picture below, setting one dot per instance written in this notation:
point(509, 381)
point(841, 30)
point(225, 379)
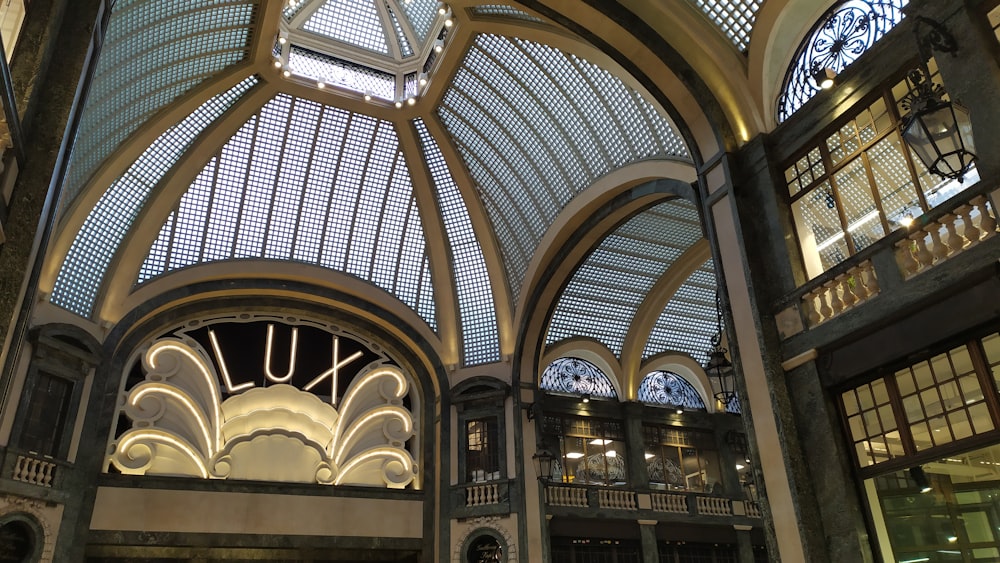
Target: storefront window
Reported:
point(681, 460)
point(957, 519)
point(592, 452)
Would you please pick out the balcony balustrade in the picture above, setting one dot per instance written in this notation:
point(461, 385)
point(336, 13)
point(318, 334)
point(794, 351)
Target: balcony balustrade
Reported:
point(629, 500)
point(954, 227)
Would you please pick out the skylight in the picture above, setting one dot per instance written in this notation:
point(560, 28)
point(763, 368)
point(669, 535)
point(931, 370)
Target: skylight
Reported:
point(182, 44)
point(688, 322)
point(734, 17)
point(472, 280)
point(83, 270)
point(310, 183)
point(536, 126)
point(605, 293)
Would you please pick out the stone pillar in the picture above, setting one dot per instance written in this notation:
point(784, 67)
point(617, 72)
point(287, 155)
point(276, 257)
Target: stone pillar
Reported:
point(744, 545)
point(638, 474)
point(755, 257)
point(647, 533)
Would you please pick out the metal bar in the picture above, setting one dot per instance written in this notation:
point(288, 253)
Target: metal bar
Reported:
point(10, 107)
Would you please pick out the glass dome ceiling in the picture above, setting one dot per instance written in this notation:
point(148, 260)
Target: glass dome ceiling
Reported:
point(442, 204)
point(379, 48)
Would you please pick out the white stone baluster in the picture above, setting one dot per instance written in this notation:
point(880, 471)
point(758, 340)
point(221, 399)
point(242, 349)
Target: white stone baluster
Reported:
point(970, 232)
point(987, 222)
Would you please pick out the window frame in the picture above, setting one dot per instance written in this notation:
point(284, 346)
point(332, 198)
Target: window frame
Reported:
point(481, 399)
point(911, 456)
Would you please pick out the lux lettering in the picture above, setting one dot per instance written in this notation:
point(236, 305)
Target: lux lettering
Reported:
point(333, 372)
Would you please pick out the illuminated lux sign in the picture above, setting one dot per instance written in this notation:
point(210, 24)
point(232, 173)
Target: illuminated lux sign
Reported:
point(333, 372)
point(267, 428)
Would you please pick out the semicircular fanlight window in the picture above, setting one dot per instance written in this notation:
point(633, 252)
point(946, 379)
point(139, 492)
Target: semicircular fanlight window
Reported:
point(840, 37)
point(668, 388)
point(577, 376)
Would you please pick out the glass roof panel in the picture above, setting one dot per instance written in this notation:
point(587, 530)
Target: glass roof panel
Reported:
point(688, 322)
point(160, 50)
point(734, 17)
point(421, 15)
point(82, 272)
point(310, 183)
point(605, 293)
point(668, 388)
point(504, 10)
point(472, 280)
point(338, 72)
point(355, 22)
point(536, 126)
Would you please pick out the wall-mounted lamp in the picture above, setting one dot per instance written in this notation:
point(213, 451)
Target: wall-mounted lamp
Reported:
point(824, 77)
point(939, 131)
point(585, 399)
point(543, 464)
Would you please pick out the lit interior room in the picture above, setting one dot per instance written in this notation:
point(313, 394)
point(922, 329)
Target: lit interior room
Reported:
point(482, 281)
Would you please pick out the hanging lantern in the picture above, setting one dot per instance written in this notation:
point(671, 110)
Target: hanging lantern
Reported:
point(939, 131)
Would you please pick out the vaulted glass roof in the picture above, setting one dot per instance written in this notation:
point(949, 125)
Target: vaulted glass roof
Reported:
point(465, 183)
point(688, 322)
point(536, 126)
point(305, 182)
point(618, 275)
point(161, 50)
point(107, 224)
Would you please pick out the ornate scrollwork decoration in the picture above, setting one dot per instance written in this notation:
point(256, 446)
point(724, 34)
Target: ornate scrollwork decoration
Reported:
point(668, 388)
point(580, 377)
point(840, 37)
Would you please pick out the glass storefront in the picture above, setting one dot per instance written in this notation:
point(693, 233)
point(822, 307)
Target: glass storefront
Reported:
point(946, 510)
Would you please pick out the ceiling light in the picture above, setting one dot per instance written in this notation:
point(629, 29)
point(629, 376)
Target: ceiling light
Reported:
point(600, 442)
point(368, 96)
point(277, 64)
point(282, 40)
point(320, 85)
point(438, 45)
point(399, 104)
point(649, 455)
point(287, 73)
point(739, 466)
point(422, 79)
point(574, 455)
point(920, 479)
point(611, 453)
point(411, 101)
point(907, 219)
point(449, 22)
point(585, 398)
point(824, 77)
point(680, 411)
point(442, 9)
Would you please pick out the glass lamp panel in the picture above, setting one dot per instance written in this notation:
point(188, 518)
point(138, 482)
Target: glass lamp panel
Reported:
point(863, 223)
point(821, 236)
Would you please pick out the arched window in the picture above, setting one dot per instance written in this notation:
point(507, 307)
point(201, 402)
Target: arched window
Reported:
point(668, 388)
point(842, 34)
point(580, 377)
